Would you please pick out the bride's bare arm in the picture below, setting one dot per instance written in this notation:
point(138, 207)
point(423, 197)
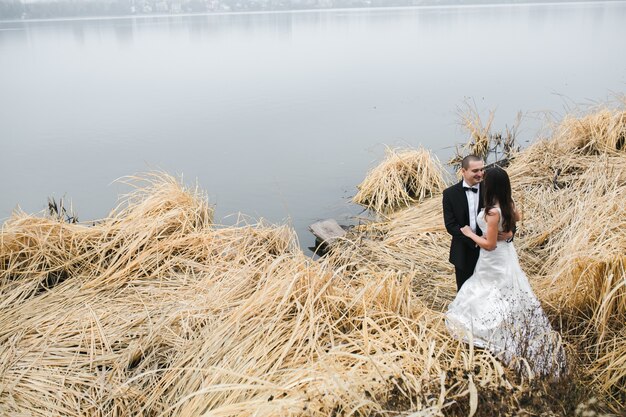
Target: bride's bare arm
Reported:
point(489, 241)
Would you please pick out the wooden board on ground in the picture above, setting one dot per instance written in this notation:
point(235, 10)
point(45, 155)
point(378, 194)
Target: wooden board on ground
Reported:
point(327, 231)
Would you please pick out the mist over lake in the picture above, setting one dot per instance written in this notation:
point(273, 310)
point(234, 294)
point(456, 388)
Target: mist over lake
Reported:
point(280, 115)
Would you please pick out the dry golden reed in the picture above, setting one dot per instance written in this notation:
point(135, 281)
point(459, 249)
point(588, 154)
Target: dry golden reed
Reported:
point(483, 141)
point(601, 131)
point(157, 311)
point(405, 177)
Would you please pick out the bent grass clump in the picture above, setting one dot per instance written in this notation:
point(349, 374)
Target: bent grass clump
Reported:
point(603, 131)
point(405, 177)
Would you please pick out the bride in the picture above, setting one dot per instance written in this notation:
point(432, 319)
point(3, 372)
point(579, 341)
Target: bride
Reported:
point(496, 308)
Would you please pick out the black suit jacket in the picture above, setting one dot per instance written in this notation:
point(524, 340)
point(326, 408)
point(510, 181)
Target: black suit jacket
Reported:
point(463, 250)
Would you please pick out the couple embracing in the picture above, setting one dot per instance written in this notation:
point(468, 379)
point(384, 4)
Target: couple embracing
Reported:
point(495, 307)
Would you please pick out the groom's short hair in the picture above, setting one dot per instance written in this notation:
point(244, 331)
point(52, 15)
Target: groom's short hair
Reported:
point(469, 158)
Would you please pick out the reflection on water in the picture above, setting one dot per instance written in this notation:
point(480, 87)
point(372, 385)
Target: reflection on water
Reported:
point(279, 115)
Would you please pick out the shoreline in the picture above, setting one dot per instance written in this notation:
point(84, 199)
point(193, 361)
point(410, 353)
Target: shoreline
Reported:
point(313, 10)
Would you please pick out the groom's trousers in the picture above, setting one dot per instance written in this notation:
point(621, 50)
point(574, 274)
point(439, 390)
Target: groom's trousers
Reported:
point(462, 275)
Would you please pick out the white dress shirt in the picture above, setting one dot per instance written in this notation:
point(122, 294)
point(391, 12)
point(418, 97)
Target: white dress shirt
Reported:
point(472, 204)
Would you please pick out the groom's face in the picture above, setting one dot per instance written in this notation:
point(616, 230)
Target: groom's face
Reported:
point(474, 172)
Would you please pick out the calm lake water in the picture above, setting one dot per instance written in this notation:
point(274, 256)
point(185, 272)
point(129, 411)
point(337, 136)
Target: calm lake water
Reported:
point(280, 115)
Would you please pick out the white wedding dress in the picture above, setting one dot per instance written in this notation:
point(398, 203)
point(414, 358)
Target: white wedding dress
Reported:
point(496, 309)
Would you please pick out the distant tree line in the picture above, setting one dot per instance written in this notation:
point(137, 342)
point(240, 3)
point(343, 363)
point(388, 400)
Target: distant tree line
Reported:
point(45, 9)
point(15, 9)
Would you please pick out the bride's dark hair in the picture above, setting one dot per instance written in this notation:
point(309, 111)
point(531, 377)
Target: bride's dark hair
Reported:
point(498, 191)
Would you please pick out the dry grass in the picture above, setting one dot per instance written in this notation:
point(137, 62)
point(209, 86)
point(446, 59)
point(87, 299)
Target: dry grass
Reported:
point(482, 141)
point(157, 311)
point(572, 240)
point(603, 131)
point(405, 177)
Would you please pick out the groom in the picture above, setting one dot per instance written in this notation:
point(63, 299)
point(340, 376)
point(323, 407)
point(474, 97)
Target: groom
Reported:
point(461, 204)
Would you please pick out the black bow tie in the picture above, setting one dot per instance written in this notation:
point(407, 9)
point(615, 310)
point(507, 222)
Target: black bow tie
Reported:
point(472, 189)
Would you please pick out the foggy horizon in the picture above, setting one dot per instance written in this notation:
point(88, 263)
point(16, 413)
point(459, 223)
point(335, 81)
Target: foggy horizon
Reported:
point(59, 9)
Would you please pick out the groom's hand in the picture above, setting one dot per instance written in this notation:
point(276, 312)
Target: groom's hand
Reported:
point(505, 235)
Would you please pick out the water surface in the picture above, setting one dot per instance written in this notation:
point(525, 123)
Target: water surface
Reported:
point(280, 115)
